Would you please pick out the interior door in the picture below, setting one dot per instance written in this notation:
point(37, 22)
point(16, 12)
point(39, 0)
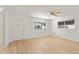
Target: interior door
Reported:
point(19, 29)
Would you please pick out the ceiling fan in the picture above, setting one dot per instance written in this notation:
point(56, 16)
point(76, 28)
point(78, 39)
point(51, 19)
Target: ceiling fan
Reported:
point(54, 13)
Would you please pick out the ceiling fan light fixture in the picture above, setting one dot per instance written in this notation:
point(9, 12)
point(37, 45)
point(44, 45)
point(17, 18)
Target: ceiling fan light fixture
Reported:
point(1, 9)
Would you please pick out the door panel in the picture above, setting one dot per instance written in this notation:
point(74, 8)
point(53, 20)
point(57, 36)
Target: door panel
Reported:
point(19, 29)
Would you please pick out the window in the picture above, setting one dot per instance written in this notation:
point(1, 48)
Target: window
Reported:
point(66, 24)
point(39, 26)
point(69, 22)
point(61, 24)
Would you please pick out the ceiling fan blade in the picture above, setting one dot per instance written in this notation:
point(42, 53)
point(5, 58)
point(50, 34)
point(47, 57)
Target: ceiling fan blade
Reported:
point(57, 12)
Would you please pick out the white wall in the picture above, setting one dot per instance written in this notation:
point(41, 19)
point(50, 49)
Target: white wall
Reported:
point(26, 24)
point(72, 34)
point(1, 30)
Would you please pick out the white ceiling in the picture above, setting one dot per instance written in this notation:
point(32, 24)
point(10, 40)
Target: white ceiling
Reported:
point(41, 11)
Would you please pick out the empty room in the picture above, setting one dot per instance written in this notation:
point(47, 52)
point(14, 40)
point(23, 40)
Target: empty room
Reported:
point(39, 29)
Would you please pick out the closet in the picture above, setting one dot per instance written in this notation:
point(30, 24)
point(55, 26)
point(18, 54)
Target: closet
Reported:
point(19, 29)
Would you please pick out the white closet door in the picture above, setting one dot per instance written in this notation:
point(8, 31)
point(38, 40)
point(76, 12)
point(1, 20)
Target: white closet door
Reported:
point(25, 25)
point(27, 28)
point(19, 29)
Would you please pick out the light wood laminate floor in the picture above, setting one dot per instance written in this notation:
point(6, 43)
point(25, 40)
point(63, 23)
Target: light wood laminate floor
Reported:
point(46, 45)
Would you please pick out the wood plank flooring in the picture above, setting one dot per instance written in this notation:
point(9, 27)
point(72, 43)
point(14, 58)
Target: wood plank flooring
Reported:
point(42, 45)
